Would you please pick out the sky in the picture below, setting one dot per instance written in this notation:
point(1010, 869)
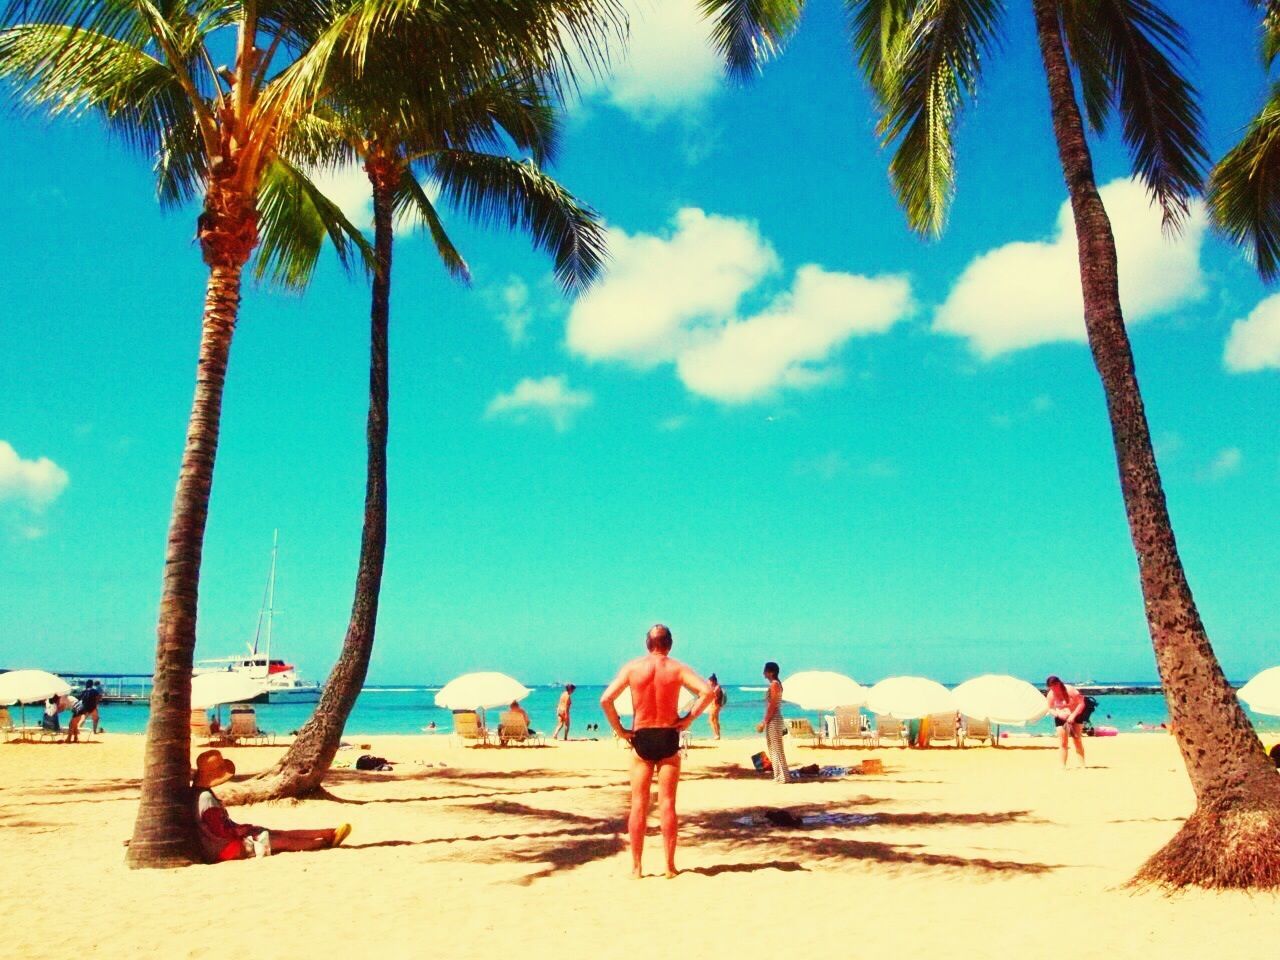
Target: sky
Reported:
point(781, 423)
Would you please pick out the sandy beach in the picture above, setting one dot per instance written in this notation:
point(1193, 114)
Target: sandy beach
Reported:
point(974, 853)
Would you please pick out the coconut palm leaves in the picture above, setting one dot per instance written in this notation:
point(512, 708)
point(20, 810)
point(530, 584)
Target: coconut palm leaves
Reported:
point(1244, 188)
point(924, 60)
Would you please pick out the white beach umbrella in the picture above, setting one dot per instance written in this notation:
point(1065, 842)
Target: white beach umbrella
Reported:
point(625, 707)
point(479, 691)
point(907, 698)
point(1000, 699)
point(212, 689)
point(1262, 693)
point(30, 686)
point(823, 690)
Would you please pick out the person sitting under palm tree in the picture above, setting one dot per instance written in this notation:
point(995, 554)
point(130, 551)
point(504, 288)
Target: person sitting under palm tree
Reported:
point(221, 838)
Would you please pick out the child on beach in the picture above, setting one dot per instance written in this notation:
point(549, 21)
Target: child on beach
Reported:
point(221, 838)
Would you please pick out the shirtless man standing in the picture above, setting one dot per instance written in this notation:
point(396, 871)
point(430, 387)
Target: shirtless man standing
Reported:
point(655, 682)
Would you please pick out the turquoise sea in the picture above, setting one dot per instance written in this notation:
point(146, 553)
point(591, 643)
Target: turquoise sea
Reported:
point(407, 709)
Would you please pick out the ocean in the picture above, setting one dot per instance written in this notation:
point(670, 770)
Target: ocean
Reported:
point(407, 709)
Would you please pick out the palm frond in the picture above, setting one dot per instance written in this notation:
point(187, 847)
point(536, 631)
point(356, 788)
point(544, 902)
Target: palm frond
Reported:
point(294, 219)
point(412, 201)
point(1131, 54)
point(873, 25)
point(749, 33)
point(495, 190)
point(1244, 190)
point(458, 42)
point(933, 62)
point(69, 72)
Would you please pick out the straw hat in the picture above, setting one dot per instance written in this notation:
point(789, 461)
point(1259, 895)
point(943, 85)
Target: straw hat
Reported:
point(212, 768)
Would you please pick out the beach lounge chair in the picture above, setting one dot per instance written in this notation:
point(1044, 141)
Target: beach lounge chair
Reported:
point(850, 726)
point(468, 727)
point(513, 728)
point(944, 728)
point(801, 729)
point(13, 731)
point(973, 729)
point(889, 728)
point(244, 726)
point(200, 729)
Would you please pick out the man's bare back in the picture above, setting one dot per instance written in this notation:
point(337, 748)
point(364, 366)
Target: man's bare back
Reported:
point(655, 682)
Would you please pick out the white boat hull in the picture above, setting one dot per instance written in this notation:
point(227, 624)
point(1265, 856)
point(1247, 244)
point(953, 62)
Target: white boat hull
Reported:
point(305, 693)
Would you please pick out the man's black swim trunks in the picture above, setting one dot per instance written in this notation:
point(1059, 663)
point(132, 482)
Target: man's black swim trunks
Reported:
point(656, 744)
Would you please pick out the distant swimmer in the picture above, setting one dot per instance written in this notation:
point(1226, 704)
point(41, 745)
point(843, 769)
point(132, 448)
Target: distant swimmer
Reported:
point(655, 682)
point(1066, 704)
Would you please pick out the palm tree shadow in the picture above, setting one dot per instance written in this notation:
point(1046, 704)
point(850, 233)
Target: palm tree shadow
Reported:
point(786, 866)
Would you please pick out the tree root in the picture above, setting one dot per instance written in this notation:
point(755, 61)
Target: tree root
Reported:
point(1232, 849)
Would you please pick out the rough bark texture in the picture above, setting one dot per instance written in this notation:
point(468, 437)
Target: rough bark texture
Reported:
point(162, 833)
point(1233, 838)
point(302, 769)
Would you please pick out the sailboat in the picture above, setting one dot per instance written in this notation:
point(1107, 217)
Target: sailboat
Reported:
point(283, 685)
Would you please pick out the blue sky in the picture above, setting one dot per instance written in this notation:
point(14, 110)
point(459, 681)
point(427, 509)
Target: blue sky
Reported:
point(782, 424)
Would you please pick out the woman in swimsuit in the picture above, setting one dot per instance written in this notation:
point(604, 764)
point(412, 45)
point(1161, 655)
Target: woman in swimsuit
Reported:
point(1066, 704)
point(772, 726)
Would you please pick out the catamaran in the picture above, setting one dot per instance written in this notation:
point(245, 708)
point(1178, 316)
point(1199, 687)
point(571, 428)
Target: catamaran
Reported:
point(283, 685)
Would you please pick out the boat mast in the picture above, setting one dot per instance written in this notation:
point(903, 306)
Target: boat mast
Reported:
point(271, 596)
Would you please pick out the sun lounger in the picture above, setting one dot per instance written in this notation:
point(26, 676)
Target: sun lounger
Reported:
point(889, 728)
point(801, 729)
point(944, 728)
point(244, 727)
point(12, 731)
point(850, 726)
point(973, 729)
point(513, 728)
point(200, 729)
point(468, 728)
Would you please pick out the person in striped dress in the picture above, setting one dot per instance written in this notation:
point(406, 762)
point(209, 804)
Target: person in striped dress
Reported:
point(772, 726)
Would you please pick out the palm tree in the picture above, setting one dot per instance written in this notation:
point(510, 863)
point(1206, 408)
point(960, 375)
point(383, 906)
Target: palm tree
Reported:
point(148, 70)
point(923, 59)
point(458, 146)
point(1244, 189)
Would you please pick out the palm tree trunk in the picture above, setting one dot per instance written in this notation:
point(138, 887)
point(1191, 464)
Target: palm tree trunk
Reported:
point(304, 766)
point(1233, 837)
point(162, 832)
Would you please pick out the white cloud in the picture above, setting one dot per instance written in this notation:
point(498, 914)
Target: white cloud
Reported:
point(1225, 464)
point(515, 312)
point(834, 464)
point(676, 299)
point(671, 424)
point(550, 397)
point(1028, 293)
point(1254, 343)
point(787, 344)
point(669, 65)
point(31, 483)
point(659, 291)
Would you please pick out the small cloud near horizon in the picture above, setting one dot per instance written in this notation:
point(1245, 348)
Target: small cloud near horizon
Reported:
point(550, 397)
point(27, 487)
point(1226, 463)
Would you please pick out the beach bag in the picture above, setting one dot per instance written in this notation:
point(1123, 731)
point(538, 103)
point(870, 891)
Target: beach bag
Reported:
point(761, 762)
point(369, 762)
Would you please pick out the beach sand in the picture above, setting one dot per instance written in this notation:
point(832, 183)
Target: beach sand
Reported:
point(520, 851)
